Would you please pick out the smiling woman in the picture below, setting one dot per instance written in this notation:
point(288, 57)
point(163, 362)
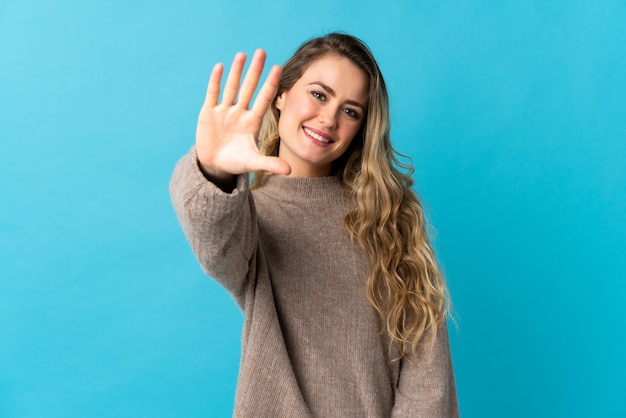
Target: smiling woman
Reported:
point(327, 251)
point(320, 115)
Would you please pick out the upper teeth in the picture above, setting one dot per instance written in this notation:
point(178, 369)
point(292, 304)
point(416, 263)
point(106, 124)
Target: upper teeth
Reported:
point(316, 136)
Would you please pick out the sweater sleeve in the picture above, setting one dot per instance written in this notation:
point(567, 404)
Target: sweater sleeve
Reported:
point(426, 386)
point(220, 227)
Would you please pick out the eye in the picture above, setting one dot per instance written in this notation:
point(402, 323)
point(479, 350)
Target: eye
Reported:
point(318, 95)
point(353, 114)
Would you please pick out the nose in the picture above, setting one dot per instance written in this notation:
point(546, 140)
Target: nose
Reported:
point(328, 116)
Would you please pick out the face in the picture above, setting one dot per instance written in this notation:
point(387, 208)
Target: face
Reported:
point(320, 114)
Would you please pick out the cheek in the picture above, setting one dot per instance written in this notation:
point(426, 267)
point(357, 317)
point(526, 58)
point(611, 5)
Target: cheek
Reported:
point(303, 109)
point(351, 130)
point(295, 109)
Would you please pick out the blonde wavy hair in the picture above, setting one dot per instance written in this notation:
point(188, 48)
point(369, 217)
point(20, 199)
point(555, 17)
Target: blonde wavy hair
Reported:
point(405, 284)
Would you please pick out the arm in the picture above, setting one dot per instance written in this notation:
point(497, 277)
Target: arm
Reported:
point(209, 187)
point(426, 385)
point(219, 226)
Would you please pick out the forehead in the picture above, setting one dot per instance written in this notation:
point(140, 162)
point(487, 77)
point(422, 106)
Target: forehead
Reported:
point(340, 74)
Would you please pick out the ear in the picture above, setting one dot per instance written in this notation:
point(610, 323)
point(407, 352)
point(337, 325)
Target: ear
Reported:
point(280, 101)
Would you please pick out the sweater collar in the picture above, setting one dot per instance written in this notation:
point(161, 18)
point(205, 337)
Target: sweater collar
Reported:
point(302, 187)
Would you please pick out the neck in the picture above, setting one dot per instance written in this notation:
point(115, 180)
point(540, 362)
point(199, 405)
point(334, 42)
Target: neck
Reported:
point(309, 171)
point(301, 169)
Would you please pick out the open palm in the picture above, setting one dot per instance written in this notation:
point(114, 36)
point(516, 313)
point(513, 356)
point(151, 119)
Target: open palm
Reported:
point(226, 135)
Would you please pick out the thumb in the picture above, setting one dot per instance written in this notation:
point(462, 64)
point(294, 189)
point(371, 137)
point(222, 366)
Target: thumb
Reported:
point(272, 164)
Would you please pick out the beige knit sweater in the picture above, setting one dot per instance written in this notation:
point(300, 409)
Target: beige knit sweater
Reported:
point(311, 345)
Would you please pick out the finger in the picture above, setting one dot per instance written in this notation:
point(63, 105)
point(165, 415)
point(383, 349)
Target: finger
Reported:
point(272, 164)
point(251, 80)
point(267, 92)
point(213, 90)
point(234, 76)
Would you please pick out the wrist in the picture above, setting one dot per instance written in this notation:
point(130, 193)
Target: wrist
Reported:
point(225, 181)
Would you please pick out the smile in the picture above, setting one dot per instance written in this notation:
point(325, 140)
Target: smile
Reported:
point(317, 137)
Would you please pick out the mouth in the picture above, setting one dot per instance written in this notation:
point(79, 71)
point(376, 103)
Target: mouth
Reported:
point(318, 135)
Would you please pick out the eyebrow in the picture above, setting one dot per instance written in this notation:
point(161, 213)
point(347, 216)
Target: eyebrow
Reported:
point(330, 91)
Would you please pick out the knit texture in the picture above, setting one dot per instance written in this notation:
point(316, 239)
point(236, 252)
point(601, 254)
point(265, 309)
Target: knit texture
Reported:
point(311, 341)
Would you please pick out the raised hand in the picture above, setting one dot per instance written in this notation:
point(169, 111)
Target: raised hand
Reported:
point(226, 135)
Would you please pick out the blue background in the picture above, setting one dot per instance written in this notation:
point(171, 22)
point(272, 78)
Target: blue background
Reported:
point(513, 114)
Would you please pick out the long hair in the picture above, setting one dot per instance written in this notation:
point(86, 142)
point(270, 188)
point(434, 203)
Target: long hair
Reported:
point(404, 284)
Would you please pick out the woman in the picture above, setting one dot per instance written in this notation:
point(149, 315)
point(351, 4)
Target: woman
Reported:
point(326, 252)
